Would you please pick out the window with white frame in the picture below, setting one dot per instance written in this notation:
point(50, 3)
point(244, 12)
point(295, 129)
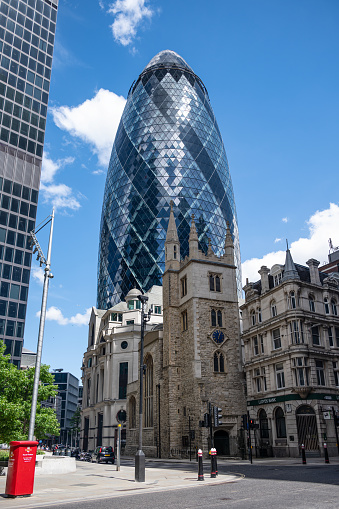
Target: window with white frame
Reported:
point(319, 366)
point(336, 373)
point(276, 338)
point(301, 371)
point(261, 340)
point(157, 310)
point(257, 379)
point(280, 377)
point(311, 303)
point(326, 306)
point(277, 279)
point(273, 309)
point(334, 307)
point(296, 331)
point(315, 335)
point(292, 302)
point(255, 345)
point(337, 336)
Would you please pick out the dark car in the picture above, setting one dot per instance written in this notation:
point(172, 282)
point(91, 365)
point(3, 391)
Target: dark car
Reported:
point(104, 454)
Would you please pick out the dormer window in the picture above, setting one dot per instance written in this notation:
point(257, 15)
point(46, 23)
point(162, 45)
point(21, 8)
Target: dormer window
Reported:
point(277, 279)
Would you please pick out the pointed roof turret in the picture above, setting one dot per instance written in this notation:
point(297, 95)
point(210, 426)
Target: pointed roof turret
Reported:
point(193, 240)
point(172, 233)
point(229, 246)
point(290, 272)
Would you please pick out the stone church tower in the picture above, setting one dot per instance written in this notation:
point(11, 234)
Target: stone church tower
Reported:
point(195, 359)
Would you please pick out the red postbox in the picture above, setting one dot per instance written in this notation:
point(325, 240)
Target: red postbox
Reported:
point(21, 468)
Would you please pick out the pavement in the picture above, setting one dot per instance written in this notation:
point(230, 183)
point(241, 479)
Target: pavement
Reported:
point(93, 481)
point(99, 481)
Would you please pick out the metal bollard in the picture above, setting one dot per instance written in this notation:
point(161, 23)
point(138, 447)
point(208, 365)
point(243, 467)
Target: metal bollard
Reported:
point(326, 454)
point(303, 454)
point(200, 466)
point(213, 453)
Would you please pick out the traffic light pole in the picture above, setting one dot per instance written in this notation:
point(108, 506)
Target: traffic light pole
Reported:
point(211, 423)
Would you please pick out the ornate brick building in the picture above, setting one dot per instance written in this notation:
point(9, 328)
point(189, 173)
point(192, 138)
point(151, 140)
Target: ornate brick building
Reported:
point(291, 338)
point(194, 360)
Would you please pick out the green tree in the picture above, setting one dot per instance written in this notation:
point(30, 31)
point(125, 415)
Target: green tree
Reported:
point(16, 389)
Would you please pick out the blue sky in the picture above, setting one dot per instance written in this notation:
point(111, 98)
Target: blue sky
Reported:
point(271, 70)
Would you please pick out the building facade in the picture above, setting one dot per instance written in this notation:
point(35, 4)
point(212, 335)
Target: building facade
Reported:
point(194, 363)
point(27, 29)
point(68, 391)
point(110, 363)
point(291, 341)
point(168, 147)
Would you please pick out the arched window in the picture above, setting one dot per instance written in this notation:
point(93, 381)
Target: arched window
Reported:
point(280, 423)
point(327, 307)
point(148, 392)
point(219, 362)
point(213, 318)
point(292, 301)
point(259, 315)
point(219, 314)
point(252, 317)
point(273, 309)
point(311, 303)
point(334, 307)
point(263, 424)
point(132, 412)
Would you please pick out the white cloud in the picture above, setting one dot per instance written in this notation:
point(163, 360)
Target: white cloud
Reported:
point(285, 219)
point(128, 14)
point(60, 196)
point(38, 274)
point(95, 121)
point(277, 240)
point(55, 314)
point(50, 167)
point(322, 225)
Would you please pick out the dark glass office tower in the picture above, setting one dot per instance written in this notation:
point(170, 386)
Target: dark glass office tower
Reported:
point(168, 147)
point(27, 29)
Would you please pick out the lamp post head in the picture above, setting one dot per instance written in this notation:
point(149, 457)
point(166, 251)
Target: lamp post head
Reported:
point(143, 298)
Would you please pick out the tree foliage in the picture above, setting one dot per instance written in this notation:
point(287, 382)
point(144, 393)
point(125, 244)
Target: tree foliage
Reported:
point(16, 390)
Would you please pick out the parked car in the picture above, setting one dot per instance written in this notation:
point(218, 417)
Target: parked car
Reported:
point(104, 454)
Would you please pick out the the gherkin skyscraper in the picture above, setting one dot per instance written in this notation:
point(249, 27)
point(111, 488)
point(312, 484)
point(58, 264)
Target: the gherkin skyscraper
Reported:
point(168, 147)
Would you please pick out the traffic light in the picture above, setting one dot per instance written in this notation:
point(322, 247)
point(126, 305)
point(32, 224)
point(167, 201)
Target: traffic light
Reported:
point(207, 420)
point(244, 421)
point(253, 425)
point(217, 416)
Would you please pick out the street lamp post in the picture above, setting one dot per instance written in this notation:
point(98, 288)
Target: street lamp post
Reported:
point(47, 276)
point(140, 456)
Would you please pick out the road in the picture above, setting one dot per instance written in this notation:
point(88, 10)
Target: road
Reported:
point(263, 486)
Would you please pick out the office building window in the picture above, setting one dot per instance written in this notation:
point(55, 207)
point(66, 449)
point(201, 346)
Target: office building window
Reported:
point(280, 423)
point(315, 335)
point(123, 379)
point(255, 345)
point(326, 306)
point(334, 307)
point(301, 371)
point(336, 373)
point(296, 331)
point(311, 303)
point(273, 309)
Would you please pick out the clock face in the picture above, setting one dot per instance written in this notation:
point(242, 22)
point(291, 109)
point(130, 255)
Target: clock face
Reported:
point(218, 336)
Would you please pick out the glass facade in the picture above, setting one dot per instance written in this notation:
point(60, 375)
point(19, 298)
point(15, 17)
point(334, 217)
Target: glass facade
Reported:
point(27, 29)
point(168, 147)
